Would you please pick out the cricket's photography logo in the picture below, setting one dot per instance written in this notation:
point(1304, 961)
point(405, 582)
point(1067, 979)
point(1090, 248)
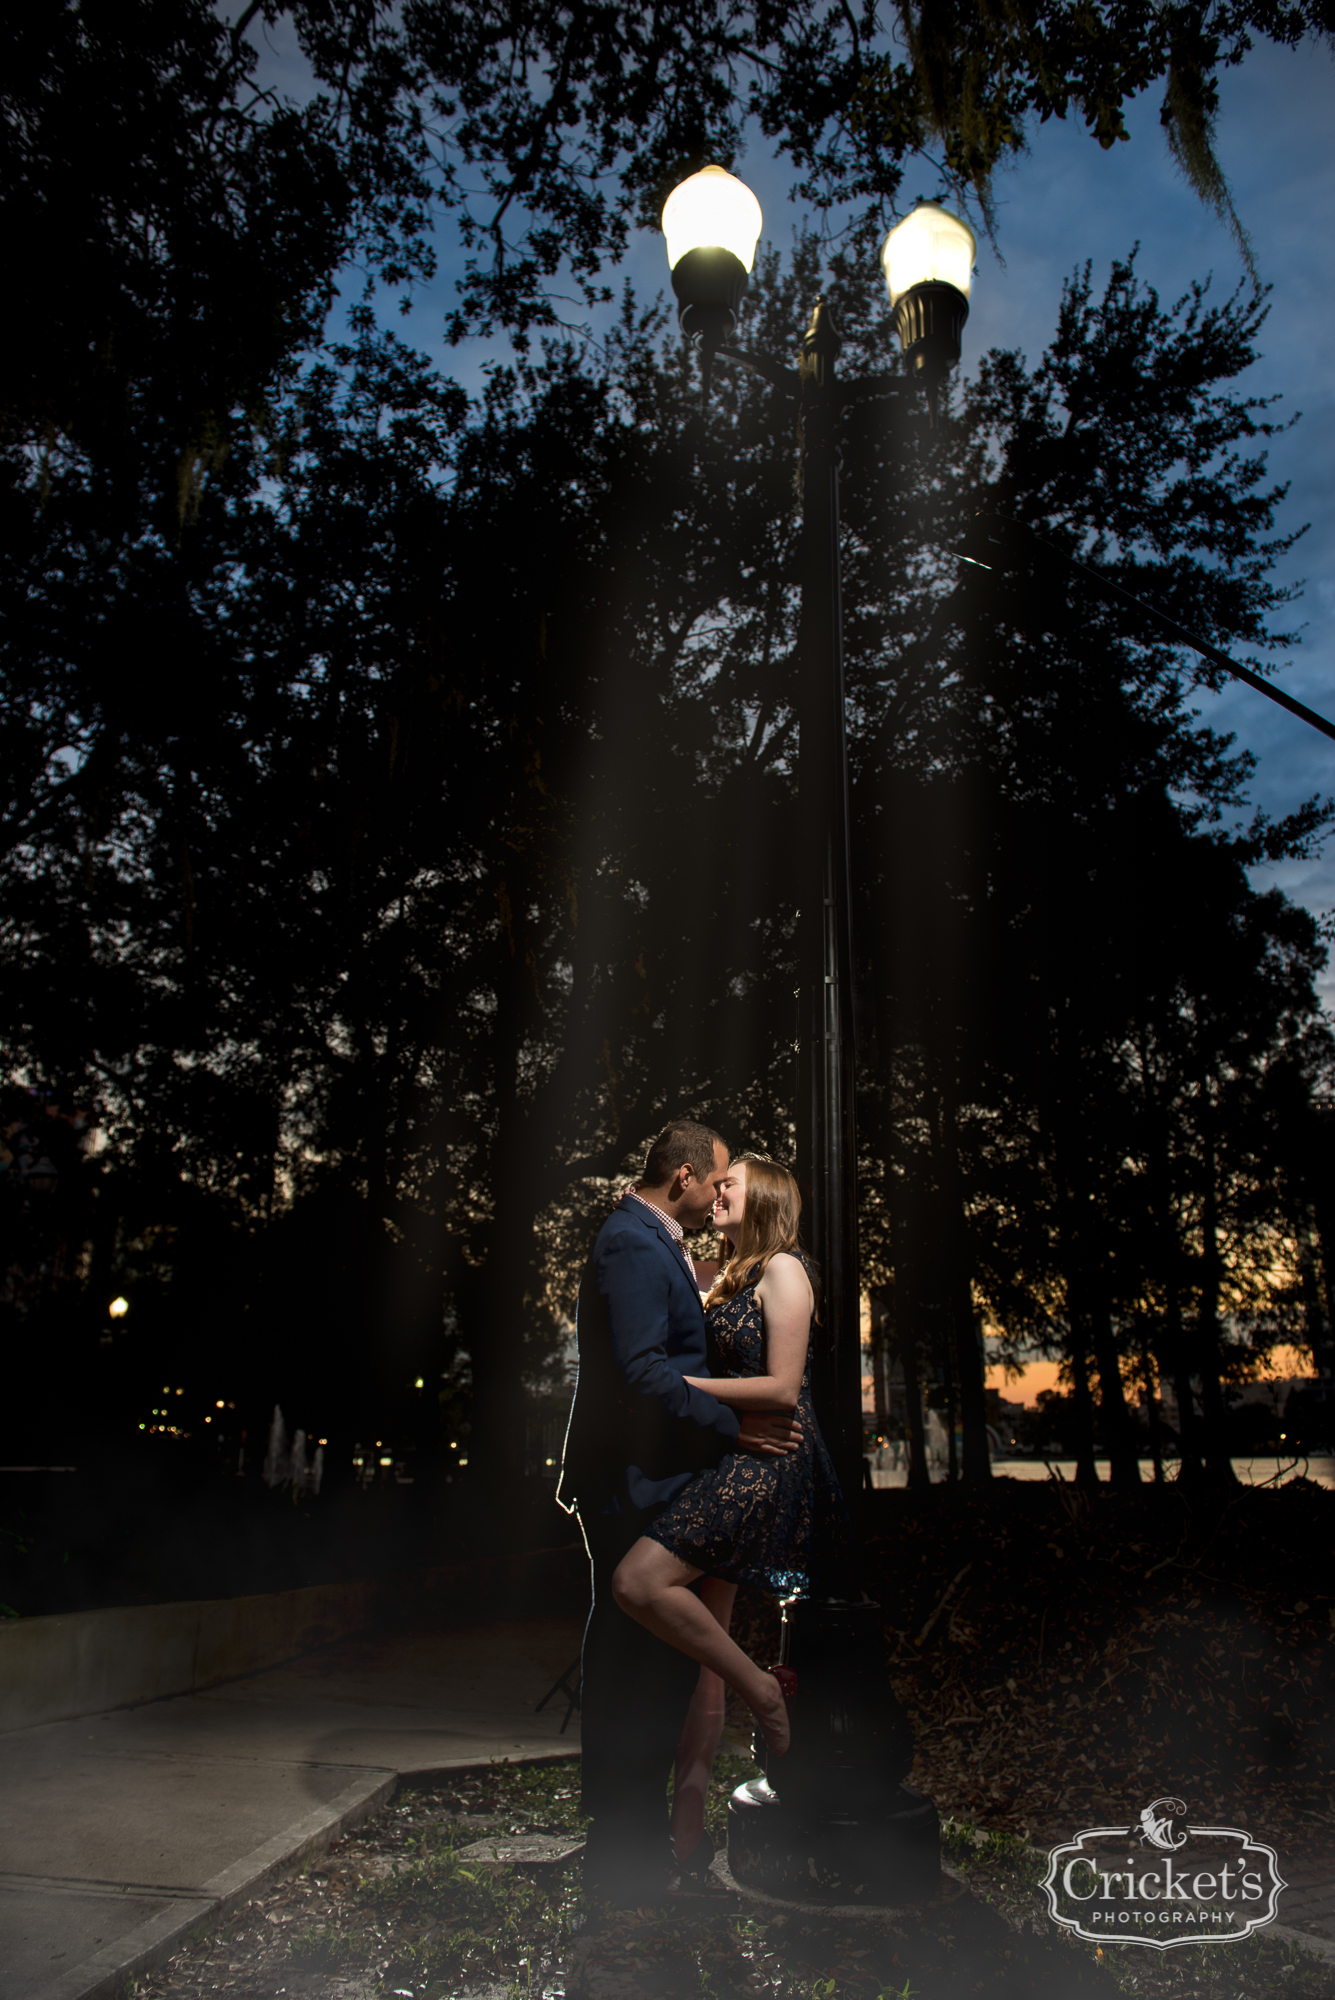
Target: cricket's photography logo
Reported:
point(1163, 1881)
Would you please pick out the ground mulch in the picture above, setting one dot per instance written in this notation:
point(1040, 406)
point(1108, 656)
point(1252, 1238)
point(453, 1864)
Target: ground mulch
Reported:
point(1067, 1656)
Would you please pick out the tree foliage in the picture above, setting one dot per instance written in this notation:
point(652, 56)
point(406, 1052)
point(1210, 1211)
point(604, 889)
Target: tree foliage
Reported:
point(398, 814)
point(443, 844)
point(207, 217)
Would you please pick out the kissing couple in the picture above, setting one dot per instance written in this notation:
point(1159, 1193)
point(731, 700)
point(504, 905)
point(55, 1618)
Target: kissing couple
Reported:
point(694, 1463)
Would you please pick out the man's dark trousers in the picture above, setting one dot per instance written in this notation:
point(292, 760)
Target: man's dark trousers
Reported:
point(635, 1696)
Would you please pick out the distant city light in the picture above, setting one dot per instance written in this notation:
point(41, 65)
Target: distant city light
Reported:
point(387, 1461)
point(218, 1405)
point(419, 1383)
point(118, 1308)
point(208, 1420)
point(454, 1447)
point(322, 1440)
point(180, 1392)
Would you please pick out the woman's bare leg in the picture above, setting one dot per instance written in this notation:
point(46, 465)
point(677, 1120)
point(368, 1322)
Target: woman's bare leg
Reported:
point(700, 1737)
point(651, 1586)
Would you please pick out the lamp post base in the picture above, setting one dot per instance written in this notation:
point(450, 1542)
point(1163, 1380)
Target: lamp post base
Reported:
point(833, 1819)
point(877, 1857)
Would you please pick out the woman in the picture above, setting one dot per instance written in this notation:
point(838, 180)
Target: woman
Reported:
point(747, 1520)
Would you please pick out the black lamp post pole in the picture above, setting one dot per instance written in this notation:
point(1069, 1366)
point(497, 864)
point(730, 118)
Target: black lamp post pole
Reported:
point(709, 283)
point(827, 1139)
point(837, 1822)
point(840, 1823)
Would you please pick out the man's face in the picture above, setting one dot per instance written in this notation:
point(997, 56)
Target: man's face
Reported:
point(698, 1197)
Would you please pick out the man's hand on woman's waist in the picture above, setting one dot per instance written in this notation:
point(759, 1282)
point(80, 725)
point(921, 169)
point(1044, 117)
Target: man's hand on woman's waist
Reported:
point(769, 1433)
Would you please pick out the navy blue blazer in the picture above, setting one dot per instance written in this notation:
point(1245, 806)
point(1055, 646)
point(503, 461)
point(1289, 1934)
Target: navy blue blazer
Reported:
point(636, 1431)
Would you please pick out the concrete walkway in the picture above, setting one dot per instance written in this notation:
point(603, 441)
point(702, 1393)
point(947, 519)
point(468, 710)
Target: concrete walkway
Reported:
point(120, 1832)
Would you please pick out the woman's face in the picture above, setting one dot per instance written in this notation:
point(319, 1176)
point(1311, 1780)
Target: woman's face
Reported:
point(731, 1201)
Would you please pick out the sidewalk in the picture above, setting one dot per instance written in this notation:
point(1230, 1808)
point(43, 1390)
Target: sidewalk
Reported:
point(122, 1831)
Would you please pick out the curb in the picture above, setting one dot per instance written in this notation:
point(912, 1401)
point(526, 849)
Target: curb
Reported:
point(107, 1973)
point(140, 1950)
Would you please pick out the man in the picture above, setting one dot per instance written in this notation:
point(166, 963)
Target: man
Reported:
point(636, 1435)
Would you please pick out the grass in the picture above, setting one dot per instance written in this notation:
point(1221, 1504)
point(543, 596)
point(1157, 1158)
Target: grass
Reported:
point(398, 1909)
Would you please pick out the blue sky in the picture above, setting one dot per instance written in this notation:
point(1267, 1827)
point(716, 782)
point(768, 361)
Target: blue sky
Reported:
point(1068, 200)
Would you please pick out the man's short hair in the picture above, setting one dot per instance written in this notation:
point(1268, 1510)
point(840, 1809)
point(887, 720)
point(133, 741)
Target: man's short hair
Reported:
point(682, 1143)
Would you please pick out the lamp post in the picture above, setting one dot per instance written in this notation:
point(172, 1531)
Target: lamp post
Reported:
point(839, 1818)
point(712, 223)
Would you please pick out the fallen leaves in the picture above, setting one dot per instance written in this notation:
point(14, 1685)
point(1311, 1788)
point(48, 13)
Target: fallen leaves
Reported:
point(1155, 1680)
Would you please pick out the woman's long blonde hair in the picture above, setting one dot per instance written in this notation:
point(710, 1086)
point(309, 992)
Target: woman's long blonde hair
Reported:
point(770, 1217)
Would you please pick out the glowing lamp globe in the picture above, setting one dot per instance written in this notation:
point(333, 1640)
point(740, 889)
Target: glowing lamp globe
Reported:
point(712, 223)
point(712, 210)
point(928, 261)
point(929, 247)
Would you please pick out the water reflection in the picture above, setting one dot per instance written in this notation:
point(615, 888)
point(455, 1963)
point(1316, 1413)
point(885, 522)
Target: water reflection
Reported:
point(1251, 1471)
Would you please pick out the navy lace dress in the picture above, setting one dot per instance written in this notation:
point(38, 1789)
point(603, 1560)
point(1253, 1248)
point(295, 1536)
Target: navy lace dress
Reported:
point(763, 1521)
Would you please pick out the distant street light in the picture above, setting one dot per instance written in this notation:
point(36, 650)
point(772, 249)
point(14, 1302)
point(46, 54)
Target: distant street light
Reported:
point(840, 1813)
point(116, 1311)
